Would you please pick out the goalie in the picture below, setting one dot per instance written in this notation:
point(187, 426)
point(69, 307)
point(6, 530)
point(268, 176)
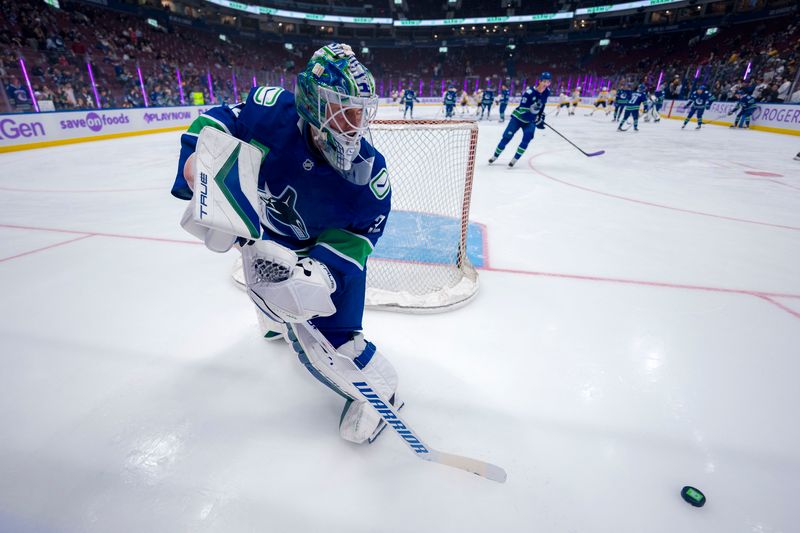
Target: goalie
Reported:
point(292, 181)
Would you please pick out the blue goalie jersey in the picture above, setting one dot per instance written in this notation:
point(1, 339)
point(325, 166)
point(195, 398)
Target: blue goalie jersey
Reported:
point(304, 203)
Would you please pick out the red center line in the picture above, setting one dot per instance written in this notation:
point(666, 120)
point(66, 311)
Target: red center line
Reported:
point(779, 305)
point(100, 234)
point(62, 243)
point(668, 285)
point(764, 294)
point(653, 204)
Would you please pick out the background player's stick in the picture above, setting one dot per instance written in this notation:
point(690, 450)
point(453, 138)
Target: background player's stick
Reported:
point(587, 154)
point(716, 119)
point(326, 359)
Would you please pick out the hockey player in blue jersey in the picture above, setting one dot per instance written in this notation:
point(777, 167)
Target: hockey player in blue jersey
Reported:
point(449, 101)
point(698, 102)
point(746, 106)
point(620, 100)
point(486, 102)
point(321, 200)
point(633, 102)
point(409, 97)
point(528, 116)
point(504, 97)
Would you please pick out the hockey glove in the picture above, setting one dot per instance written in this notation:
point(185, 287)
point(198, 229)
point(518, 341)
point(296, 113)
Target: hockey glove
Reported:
point(284, 288)
point(540, 121)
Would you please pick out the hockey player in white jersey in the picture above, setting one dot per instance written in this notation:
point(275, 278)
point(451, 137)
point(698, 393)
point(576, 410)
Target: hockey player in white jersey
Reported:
point(575, 100)
point(563, 101)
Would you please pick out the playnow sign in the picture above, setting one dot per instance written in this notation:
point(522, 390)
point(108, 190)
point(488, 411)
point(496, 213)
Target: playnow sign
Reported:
point(21, 130)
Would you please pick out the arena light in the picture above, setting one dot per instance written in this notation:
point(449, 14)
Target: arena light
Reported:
point(624, 6)
point(711, 31)
point(28, 82)
point(365, 50)
point(542, 17)
point(141, 84)
point(297, 15)
point(153, 22)
point(180, 86)
point(288, 46)
point(605, 42)
point(210, 86)
point(223, 37)
point(52, 3)
point(747, 72)
point(94, 86)
point(442, 49)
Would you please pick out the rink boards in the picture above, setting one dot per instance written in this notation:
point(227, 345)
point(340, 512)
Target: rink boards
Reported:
point(24, 131)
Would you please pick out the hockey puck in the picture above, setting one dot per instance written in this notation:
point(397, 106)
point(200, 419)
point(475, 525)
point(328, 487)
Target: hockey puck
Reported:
point(693, 496)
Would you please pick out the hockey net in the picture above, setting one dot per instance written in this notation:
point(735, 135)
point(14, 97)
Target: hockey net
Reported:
point(421, 264)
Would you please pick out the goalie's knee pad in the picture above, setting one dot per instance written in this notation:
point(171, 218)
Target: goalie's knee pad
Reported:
point(359, 421)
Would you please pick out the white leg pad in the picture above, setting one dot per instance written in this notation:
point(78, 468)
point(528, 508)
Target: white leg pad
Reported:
point(359, 420)
point(271, 330)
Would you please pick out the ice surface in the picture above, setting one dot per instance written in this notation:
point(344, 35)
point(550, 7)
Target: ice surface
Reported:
point(637, 330)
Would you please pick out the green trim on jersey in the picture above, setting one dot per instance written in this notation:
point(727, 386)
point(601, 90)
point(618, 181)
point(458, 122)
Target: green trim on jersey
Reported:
point(518, 112)
point(219, 179)
point(202, 121)
point(347, 245)
point(264, 149)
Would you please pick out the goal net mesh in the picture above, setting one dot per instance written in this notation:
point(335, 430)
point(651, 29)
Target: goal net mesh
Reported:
point(421, 262)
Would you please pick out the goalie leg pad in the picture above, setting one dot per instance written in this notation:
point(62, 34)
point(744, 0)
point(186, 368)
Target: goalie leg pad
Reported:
point(359, 421)
point(270, 329)
point(329, 379)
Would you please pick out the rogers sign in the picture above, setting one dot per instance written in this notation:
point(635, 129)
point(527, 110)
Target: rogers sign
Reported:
point(94, 121)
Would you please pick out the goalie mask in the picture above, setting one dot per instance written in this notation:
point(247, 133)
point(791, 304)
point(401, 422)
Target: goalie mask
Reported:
point(336, 95)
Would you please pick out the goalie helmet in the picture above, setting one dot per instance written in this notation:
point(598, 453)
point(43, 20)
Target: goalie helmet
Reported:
point(336, 95)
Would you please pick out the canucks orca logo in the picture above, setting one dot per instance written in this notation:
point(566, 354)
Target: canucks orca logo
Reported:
point(280, 211)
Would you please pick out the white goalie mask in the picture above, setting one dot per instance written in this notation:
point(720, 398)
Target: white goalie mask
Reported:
point(345, 123)
point(336, 96)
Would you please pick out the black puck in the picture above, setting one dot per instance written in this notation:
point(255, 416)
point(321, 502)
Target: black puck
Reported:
point(693, 496)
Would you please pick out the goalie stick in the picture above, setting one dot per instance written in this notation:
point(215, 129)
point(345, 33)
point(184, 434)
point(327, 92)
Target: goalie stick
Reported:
point(322, 354)
point(587, 154)
point(337, 370)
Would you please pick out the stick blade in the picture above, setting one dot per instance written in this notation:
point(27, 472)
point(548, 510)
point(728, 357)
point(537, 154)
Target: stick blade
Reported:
point(592, 154)
point(474, 466)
